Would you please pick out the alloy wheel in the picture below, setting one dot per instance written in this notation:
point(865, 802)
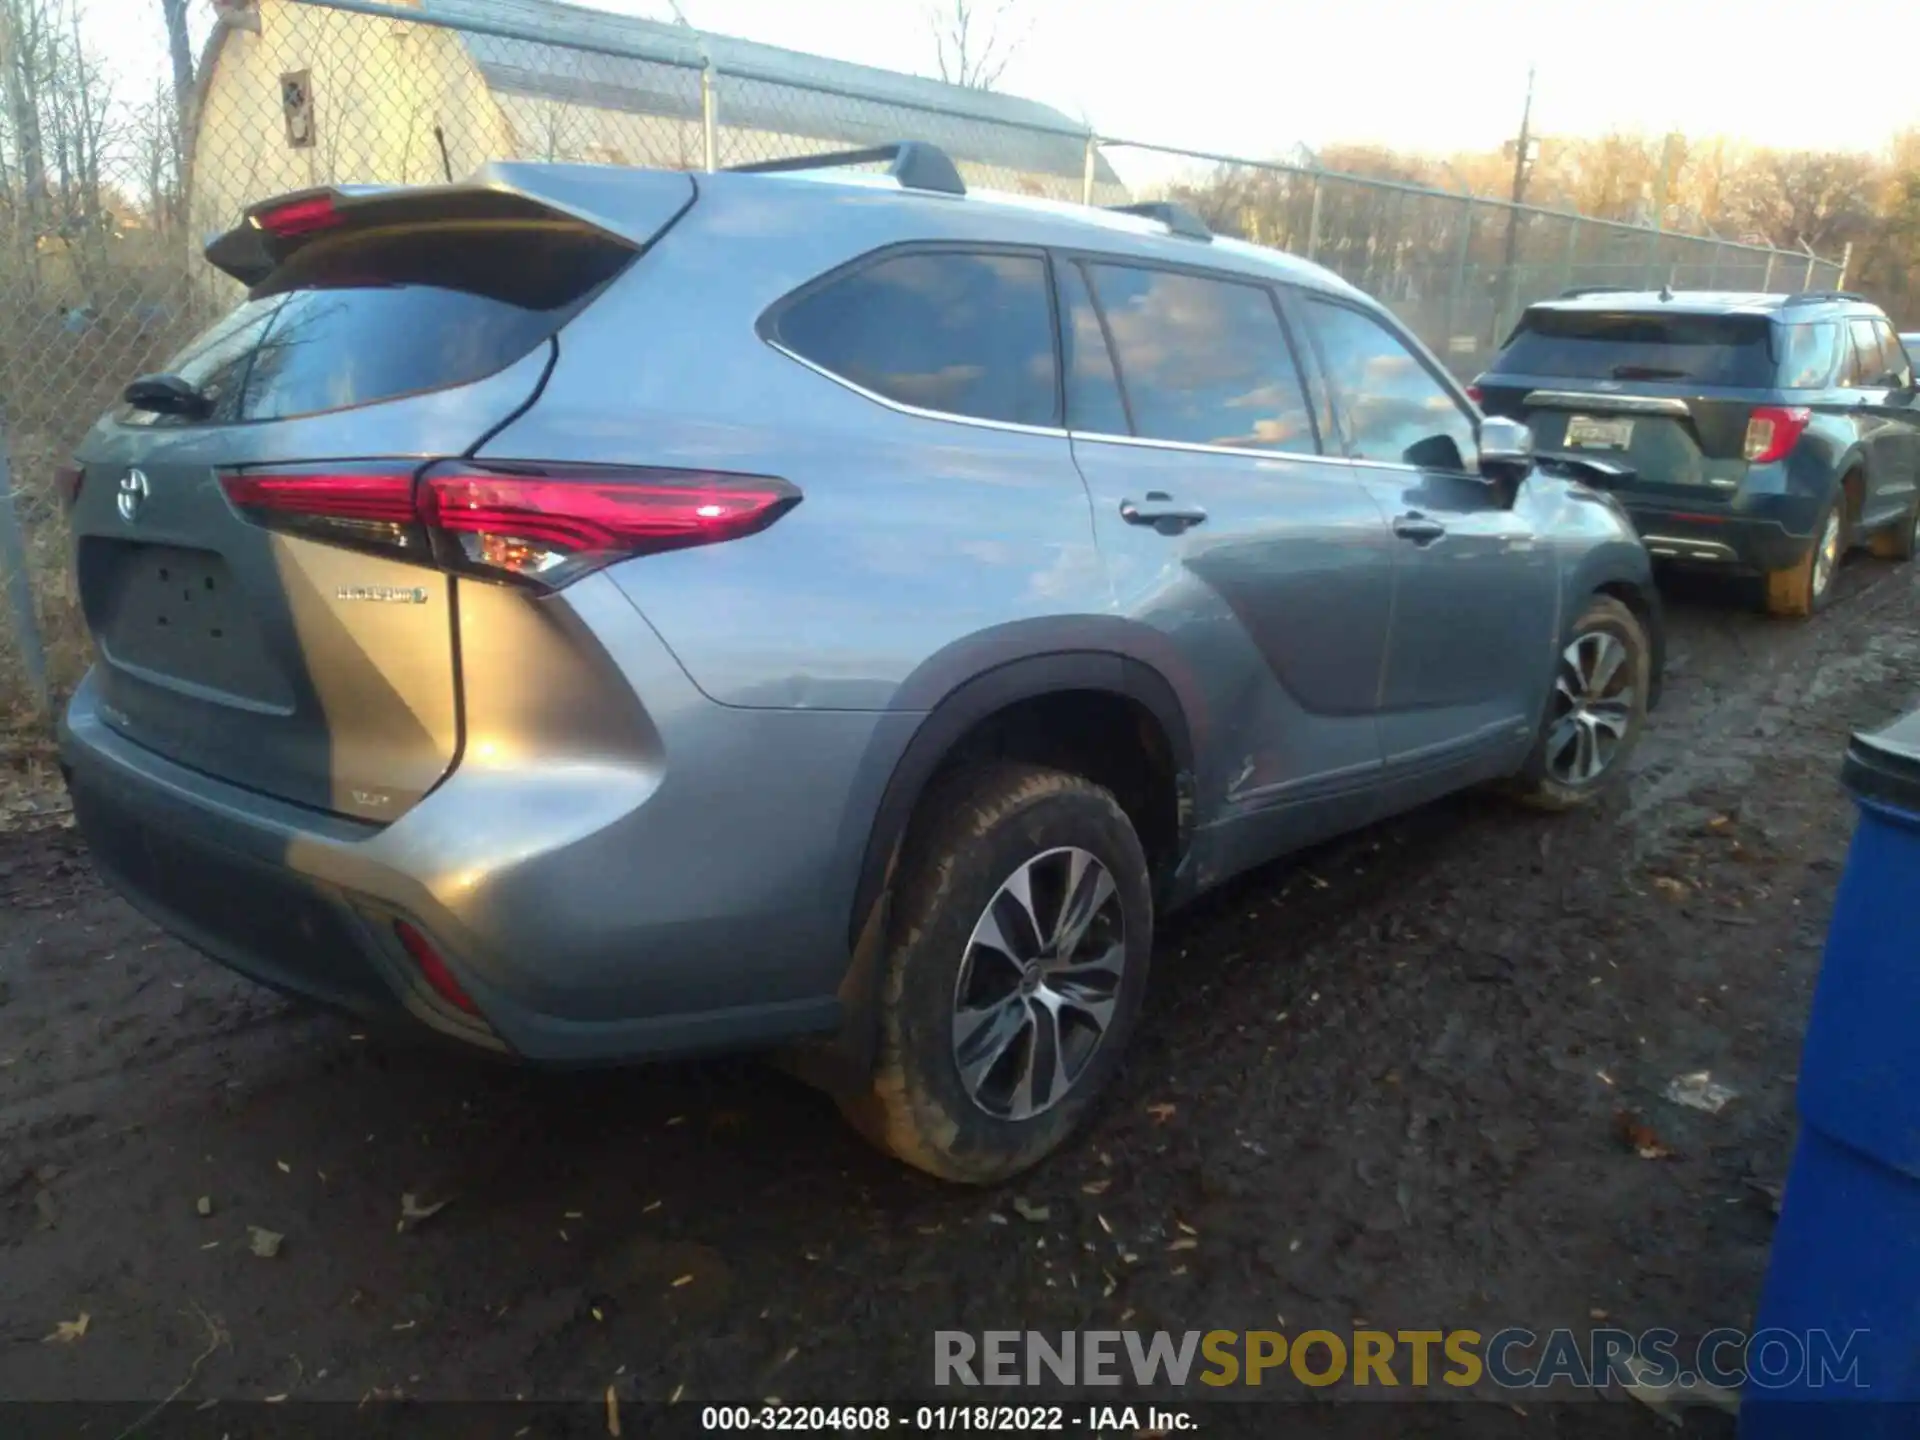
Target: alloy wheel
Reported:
point(1039, 983)
point(1593, 699)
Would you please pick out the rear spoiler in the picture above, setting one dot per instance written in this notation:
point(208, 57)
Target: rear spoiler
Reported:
point(630, 207)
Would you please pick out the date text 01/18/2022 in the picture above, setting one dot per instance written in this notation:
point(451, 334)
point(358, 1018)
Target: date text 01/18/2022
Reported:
point(1130, 1420)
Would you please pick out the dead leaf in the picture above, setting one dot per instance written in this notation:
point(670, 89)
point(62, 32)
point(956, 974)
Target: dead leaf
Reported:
point(1095, 1187)
point(1162, 1113)
point(68, 1331)
point(285, 1169)
point(414, 1214)
point(1676, 888)
point(683, 1280)
point(1027, 1210)
point(1699, 1091)
point(1184, 1243)
point(264, 1243)
point(204, 1205)
point(1639, 1137)
point(613, 1412)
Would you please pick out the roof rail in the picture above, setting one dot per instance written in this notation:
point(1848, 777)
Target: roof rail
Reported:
point(1821, 297)
point(1578, 290)
point(914, 163)
point(1177, 218)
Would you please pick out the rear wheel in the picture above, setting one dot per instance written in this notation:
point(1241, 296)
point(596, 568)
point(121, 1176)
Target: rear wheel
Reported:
point(1597, 710)
point(1901, 539)
point(1804, 588)
point(1022, 932)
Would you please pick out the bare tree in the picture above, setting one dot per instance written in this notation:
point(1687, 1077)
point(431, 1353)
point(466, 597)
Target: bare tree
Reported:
point(972, 47)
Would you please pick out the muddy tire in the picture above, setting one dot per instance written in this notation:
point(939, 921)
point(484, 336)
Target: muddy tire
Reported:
point(1595, 713)
point(1022, 930)
point(1899, 540)
point(1805, 588)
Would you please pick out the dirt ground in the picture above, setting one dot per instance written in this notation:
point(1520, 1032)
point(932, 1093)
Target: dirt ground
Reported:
point(1381, 1083)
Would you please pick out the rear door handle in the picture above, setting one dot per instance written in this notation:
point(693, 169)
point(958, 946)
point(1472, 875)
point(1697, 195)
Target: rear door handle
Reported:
point(1418, 528)
point(1162, 512)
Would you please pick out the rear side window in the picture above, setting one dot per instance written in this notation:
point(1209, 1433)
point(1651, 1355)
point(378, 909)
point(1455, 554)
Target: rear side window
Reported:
point(363, 317)
point(1807, 355)
point(1730, 350)
point(957, 332)
point(1204, 361)
point(1877, 357)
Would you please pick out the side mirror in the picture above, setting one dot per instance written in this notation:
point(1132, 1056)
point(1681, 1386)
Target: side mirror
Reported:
point(1506, 448)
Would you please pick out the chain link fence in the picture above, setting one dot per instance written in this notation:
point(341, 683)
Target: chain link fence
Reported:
point(108, 191)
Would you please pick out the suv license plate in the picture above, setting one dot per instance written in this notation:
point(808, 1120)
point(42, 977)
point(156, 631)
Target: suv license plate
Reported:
point(1584, 432)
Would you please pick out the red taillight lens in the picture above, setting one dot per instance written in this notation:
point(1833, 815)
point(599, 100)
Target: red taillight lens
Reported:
point(363, 509)
point(1772, 431)
point(66, 482)
point(299, 217)
point(546, 525)
point(542, 526)
point(433, 969)
point(1473, 394)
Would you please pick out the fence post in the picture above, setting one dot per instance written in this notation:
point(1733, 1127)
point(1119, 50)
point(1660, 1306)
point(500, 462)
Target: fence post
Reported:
point(1806, 280)
point(1766, 285)
point(709, 118)
point(13, 559)
point(1846, 264)
point(1088, 168)
point(1566, 265)
point(1713, 268)
point(1313, 220)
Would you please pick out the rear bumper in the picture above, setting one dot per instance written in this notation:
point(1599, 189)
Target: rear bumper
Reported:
point(1770, 538)
point(593, 913)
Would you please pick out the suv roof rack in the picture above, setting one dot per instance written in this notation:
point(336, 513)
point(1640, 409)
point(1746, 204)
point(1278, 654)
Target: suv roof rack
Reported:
point(1821, 297)
point(914, 163)
point(1177, 218)
point(1578, 290)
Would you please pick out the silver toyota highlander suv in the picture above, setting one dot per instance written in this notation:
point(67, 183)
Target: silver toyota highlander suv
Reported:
point(614, 613)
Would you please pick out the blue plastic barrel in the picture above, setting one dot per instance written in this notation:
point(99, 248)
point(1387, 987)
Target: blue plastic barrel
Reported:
point(1839, 1320)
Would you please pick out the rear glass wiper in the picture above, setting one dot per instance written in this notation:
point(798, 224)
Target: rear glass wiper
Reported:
point(168, 395)
point(1647, 372)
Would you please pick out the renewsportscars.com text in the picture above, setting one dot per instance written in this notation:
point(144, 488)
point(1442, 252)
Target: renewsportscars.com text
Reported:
point(1513, 1359)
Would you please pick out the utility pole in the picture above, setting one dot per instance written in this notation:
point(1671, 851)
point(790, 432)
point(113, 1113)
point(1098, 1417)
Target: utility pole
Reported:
point(1520, 175)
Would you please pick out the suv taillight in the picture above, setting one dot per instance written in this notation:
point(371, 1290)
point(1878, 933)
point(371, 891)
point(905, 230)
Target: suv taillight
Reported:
point(1474, 394)
point(542, 524)
point(1772, 431)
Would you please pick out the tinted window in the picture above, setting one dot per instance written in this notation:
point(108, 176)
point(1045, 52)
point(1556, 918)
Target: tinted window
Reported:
point(1600, 345)
point(1395, 410)
point(1093, 395)
point(1893, 356)
point(1203, 361)
point(958, 333)
point(1869, 365)
point(358, 318)
point(1807, 355)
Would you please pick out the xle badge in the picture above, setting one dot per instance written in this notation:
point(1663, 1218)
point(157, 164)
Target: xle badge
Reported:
point(383, 594)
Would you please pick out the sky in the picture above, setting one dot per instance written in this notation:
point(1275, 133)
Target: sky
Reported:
point(1257, 77)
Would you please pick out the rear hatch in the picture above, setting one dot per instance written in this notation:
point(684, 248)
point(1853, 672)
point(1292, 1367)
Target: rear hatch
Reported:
point(1669, 394)
point(266, 606)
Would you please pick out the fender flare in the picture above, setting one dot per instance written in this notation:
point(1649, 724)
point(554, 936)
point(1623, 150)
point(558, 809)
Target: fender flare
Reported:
point(973, 700)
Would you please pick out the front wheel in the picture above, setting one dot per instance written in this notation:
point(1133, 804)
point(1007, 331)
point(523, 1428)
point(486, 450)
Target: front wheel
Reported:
point(1601, 682)
point(1021, 937)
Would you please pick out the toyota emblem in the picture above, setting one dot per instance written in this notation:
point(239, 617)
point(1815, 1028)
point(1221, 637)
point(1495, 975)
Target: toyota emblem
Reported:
point(133, 495)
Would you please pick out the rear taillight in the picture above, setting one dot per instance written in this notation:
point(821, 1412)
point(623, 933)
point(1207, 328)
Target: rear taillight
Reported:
point(1474, 394)
point(67, 481)
point(1772, 431)
point(542, 524)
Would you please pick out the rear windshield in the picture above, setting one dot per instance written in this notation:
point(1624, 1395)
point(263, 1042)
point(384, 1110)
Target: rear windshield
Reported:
point(358, 318)
point(1729, 350)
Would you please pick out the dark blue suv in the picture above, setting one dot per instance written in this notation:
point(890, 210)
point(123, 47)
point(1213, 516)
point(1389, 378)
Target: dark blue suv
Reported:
point(1760, 433)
